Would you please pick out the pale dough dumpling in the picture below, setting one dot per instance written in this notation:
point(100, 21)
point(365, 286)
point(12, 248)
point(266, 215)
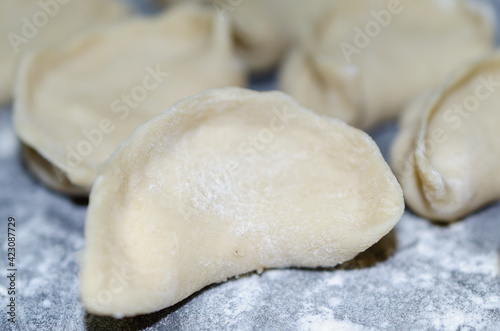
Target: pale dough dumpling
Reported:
point(259, 36)
point(77, 103)
point(263, 29)
point(225, 183)
point(26, 25)
point(447, 153)
point(363, 61)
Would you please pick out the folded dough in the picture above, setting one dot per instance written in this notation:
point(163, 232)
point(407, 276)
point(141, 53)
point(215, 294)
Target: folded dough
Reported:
point(447, 152)
point(259, 37)
point(26, 25)
point(77, 103)
point(263, 29)
point(363, 61)
point(225, 183)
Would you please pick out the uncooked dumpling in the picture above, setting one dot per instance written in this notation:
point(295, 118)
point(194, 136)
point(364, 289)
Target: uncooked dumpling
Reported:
point(447, 153)
point(77, 103)
point(259, 36)
point(225, 183)
point(263, 29)
point(29, 24)
point(363, 61)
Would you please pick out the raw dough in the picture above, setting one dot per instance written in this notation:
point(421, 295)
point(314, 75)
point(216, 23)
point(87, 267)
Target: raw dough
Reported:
point(225, 183)
point(363, 61)
point(26, 25)
point(260, 38)
point(77, 103)
point(263, 29)
point(447, 153)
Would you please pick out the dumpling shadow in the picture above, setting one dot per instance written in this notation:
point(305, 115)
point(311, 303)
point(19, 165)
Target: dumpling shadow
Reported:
point(378, 253)
point(43, 174)
point(264, 81)
point(474, 214)
point(80, 201)
point(136, 323)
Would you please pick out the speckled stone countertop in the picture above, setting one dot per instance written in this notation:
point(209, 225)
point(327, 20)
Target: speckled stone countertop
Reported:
point(420, 276)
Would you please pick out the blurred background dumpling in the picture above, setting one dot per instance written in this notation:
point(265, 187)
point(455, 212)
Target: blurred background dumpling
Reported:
point(263, 30)
point(362, 61)
point(446, 154)
point(76, 103)
point(30, 24)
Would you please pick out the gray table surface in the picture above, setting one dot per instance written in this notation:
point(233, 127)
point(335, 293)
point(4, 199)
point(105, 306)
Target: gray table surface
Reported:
point(421, 276)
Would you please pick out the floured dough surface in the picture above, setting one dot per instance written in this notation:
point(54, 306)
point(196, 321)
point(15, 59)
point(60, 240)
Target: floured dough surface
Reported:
point(225, 183)
point(77, 103)
point(363, 61)
point(26, 25)
point(447, 153)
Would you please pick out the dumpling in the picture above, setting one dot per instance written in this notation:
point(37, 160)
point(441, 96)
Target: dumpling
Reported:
point(263, 29)
point(259, 36)
point(363, 61)
point(447, 152)
point(26, 25)
point(224, 183)
point(77, 103)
